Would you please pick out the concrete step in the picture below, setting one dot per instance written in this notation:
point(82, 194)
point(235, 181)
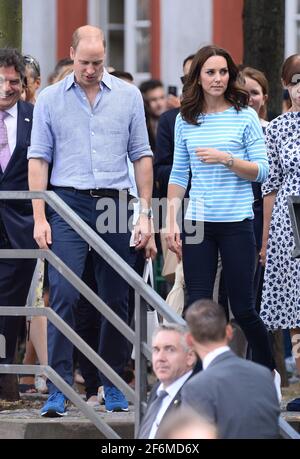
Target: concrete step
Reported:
point(26, 423)
point(21, 420)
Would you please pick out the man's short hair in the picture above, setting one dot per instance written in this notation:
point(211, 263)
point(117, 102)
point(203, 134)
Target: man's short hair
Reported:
point(11, 57)
point(182, 330)
point(185, 417)
point(66, 61)
point(207, 321)
point(122, 75)
point(149, 85)
point(76, 37)
point(188, 58)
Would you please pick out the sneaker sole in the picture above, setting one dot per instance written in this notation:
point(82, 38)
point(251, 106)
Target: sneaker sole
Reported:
point(117, 410)
point(53, 414)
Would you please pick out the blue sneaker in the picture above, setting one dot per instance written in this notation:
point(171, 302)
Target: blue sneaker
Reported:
point(55, 406)
point(114, 399)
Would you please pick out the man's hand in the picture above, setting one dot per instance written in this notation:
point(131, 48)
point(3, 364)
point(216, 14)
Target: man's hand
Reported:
point(142, 232)
point(42, 234)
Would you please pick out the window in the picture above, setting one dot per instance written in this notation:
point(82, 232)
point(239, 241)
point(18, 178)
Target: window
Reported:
point(298, 26)
point(143, 25)
point(115, 34)
point(292, 27)
point(127, 28)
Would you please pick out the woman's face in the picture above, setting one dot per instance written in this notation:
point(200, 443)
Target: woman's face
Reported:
point(294, 91)
point(214, 76)
point(257, 99)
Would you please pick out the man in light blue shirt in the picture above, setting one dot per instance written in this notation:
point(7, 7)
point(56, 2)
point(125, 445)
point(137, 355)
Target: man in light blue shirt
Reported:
point(86, 126)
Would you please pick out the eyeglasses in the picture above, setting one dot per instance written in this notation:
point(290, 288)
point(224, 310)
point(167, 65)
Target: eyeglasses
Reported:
point(29, 60)
point(183, 79)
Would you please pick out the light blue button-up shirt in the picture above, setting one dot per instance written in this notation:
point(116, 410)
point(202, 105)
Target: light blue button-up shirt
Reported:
point(89, 146)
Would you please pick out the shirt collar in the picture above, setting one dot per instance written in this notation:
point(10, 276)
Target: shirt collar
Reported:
point(13, 111)
point(173, 388)
point(213, 354)
point(106, 80)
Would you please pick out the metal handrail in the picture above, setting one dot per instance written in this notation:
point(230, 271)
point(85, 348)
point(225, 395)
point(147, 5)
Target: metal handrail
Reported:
point(64, 388)
point(144, 293)
point(100, 246)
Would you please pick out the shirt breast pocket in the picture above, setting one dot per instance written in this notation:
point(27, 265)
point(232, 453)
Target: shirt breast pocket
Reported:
point(114, 151)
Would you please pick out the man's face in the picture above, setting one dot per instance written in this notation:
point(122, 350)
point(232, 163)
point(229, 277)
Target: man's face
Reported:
point(10, 87)
point(170, 358)
point(88, 62)
point(157, 101)
point(32, 84)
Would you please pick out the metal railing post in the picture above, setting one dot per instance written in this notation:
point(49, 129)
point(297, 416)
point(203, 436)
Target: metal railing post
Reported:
point(140, 359)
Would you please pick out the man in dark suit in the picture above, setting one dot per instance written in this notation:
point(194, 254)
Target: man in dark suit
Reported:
point(16, 221)
point(173, 363)
point(236, 394)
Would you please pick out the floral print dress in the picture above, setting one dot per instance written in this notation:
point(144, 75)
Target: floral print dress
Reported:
point(280, 307)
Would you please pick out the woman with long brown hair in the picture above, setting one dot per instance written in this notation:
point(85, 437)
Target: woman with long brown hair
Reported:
point(219, 138)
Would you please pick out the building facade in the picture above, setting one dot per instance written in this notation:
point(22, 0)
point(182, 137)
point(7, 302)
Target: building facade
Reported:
point(144, 37)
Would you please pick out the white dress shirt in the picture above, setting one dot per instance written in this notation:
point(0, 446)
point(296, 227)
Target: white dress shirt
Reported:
point(166, 402)
point(11, 121)
point(212, 355)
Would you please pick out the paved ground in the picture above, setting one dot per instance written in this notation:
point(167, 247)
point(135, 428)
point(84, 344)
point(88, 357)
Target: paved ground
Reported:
point(21, 419)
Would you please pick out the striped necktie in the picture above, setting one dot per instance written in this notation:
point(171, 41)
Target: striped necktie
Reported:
point(150, 416)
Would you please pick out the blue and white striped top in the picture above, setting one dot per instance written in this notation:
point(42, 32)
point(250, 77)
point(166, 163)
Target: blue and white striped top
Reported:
point(217, 194)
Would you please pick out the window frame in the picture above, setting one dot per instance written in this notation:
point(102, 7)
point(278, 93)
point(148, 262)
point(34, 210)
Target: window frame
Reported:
point(292, 17)
point(99, 16)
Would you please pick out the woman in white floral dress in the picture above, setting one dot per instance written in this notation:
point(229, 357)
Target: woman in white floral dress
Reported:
point(280, 307)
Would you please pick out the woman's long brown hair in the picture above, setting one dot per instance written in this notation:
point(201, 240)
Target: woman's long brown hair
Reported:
point(192, 104)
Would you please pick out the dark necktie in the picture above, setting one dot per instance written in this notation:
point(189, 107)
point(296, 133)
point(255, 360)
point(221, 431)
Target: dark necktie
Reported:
point(150, 416)
point(4, 147)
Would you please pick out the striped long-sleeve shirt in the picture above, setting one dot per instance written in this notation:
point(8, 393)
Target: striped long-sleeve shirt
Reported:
point(218, 194)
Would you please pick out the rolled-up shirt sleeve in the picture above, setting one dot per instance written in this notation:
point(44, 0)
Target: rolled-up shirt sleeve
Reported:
point(181, 164)
point(275, 177)
point(42, 142)
point(138, 143)
point(256, 147)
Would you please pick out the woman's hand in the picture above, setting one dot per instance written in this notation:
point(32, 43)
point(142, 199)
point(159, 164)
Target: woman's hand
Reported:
point(263, 253)
point(212, 156)
point(173, 239)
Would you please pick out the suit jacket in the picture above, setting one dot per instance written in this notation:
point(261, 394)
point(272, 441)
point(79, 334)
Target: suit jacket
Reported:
point(236, 394)
point(175, 403)
point(17, 216)
point(164, 150)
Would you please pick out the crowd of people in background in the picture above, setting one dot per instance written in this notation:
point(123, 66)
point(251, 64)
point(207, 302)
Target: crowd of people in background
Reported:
point(94, 133)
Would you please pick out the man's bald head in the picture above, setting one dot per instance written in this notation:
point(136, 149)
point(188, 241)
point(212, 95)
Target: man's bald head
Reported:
point(88, 53)
point(87, 32)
